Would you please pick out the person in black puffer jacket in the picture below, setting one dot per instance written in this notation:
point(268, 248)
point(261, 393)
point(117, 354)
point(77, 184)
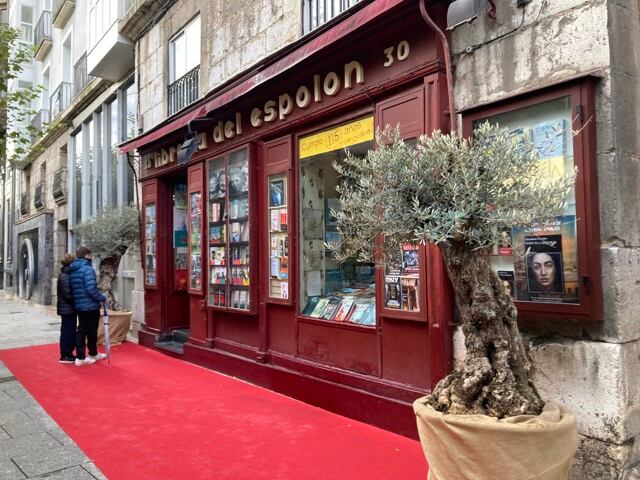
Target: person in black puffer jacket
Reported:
point(67, 312)
point(86, 301)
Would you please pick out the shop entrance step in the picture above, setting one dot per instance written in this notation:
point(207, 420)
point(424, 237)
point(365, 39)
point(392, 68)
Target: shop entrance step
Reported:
point(173, 342)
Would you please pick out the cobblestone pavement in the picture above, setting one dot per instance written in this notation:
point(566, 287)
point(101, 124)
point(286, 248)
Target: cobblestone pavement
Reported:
point(32, 445)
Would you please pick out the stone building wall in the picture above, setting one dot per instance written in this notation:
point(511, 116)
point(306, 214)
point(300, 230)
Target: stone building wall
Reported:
point(235, 36)
point(589, 366)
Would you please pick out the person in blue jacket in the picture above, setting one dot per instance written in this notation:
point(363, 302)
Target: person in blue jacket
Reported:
point(86, 301)
point(66, 311)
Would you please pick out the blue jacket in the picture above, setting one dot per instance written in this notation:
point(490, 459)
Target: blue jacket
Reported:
point(86, 295)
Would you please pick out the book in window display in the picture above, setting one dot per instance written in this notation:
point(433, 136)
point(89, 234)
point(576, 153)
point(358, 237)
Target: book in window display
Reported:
point(150, 244)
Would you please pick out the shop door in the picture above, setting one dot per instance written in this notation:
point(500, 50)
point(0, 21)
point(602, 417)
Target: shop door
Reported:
point(177, 285)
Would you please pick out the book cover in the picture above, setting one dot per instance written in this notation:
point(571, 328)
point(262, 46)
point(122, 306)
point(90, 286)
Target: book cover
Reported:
point(392, 291)
point(318, 310)
point(283, 273)
point(311, 304)
point(331, 309)
point(284, 290)
point(544, 263)
point(358, 312)
point(548, 138)
point(507, 279)
point(235, 232)
point(275, 221)
point(369, 316)
point(410, 258)
point(283, 219)
point(275, 267)
point(344, 311)
point(409, 293)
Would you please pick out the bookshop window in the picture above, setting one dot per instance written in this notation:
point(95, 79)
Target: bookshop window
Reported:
point(150, 243)
point(278, 237)
point(333, 291)
point(228, 222)
point(540, 264)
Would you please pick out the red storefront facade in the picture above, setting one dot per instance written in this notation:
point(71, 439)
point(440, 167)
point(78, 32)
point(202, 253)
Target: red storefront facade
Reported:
point(233, 240)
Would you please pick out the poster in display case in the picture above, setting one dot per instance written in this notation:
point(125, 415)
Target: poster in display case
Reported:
point(278, 237)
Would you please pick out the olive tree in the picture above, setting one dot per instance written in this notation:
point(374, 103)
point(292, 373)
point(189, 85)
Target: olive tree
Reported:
point(109, 235)
point(459, 195)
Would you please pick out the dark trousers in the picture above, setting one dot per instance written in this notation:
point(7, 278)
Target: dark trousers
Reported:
point(67, 334)
point(87, 329)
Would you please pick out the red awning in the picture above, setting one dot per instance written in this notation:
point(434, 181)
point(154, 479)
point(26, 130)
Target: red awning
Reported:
point(369, 13)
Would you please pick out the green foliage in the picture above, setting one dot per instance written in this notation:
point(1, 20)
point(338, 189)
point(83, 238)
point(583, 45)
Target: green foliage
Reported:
point(446, 190)
point(17, 104)
point(112, 232)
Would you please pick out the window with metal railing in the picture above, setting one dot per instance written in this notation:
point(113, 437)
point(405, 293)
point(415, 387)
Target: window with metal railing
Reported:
point(38, 197)
point(81, 75)
point(43, 28)
point(60, 99)
point(317, 12)
point(59, 187)
point(184, 90)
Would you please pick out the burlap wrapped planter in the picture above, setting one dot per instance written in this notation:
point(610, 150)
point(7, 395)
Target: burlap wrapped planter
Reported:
point(479, 447)
point(119, 324)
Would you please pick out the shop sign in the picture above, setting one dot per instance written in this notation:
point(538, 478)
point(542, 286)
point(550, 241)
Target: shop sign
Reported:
point(337, 138)
point(319, 88)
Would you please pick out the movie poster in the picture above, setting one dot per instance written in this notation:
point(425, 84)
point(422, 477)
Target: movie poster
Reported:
point(546, 262)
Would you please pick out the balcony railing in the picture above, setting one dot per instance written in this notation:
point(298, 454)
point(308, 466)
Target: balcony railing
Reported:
point(42, 35)
point(317, 12)
point(184, 91)
point(38, 122)
point(60, 99)
point(25, 204)
point(62, 10)
point(81, 75)
point(38, 197)
point(59, 187)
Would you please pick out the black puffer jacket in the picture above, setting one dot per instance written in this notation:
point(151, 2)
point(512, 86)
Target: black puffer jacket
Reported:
point(65, 297)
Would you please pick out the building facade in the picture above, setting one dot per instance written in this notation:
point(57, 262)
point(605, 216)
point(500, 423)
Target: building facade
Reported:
point(245, 107)
point(86, 107)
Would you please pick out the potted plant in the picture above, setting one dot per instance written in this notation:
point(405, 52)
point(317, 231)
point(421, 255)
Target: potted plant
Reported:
point(109, 235)
point(485, 420)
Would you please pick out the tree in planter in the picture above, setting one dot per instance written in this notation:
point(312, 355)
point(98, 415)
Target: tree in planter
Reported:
point(460, 196)
point(109, 236)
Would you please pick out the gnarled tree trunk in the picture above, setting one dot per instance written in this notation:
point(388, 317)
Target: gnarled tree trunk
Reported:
point(108, 271)
point(495, 377)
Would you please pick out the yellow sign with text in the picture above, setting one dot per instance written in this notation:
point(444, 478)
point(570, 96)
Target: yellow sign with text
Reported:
point(550, 170)
point(337, 138)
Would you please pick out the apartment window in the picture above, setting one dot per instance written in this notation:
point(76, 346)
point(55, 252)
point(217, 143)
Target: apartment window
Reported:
point(77, 149)
point(102, 14)
point(317, 12)
point(26, 23)
point(45, 90)
point(184, 67)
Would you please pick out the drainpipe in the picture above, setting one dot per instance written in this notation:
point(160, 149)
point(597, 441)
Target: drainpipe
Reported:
point(447, 61)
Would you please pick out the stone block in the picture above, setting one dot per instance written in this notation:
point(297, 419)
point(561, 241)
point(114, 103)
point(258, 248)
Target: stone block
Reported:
point(594, 380)
point(598, 460)
point(40, 462)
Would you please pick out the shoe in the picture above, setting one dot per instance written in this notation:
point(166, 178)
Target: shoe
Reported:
point(67, 359)
point(84, 361)
point(99, 356)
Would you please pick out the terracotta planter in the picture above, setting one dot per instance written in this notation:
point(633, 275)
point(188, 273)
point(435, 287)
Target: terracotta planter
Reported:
point(479, 447)
point(119, 324)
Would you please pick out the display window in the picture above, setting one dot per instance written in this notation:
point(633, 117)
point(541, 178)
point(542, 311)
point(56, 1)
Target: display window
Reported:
point(330, 290)
point(195, 241)
point(150, 243)
point(180, 236)
point(278, 237)
point(229, 235)
point(552, 267)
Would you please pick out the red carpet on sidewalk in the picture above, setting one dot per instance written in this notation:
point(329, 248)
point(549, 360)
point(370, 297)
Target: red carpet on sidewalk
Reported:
point(149, 416)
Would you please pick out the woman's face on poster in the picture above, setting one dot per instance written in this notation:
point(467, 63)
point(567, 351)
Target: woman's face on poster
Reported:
point(544, 269)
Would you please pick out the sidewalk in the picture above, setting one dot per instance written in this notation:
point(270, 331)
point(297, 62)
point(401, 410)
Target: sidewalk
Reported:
point(32, 445)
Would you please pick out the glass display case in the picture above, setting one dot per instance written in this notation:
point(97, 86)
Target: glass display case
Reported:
point(278, 237)
point(228, 225)
point(150, 244)
point(195, 241)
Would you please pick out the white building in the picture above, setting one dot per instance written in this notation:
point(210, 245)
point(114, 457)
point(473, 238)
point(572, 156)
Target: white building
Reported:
point(89, 98)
